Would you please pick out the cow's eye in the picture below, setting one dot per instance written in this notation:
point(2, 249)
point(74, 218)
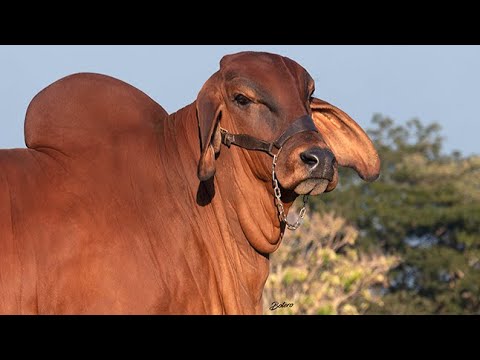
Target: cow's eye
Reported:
point(242, 100)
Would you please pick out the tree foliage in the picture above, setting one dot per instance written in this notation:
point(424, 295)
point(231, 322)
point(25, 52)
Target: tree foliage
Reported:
point(425, 209)
point(319, 270)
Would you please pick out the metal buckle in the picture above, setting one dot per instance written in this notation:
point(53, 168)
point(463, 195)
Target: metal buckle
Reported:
point(270, 152)
point(227, 138)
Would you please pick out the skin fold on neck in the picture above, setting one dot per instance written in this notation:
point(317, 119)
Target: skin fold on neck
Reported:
point(236, 209)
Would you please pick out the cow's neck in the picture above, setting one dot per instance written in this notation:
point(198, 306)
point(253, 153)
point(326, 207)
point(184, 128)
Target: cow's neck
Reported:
point(236, 204)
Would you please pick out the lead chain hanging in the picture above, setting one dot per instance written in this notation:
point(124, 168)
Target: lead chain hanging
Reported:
point(279, 204)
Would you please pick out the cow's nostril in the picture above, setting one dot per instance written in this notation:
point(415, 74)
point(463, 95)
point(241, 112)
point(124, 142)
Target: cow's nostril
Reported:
point(309, 158)
point(320, 162)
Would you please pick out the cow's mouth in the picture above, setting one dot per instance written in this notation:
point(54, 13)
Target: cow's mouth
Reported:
point(312, 186)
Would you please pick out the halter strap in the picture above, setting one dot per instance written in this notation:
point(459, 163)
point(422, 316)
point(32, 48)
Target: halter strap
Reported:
point(302, 124)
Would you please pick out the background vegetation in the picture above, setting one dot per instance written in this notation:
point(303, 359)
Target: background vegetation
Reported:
point(408, 243)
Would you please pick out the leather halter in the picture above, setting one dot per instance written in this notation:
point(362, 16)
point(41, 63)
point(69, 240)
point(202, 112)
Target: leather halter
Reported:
point(302, 124)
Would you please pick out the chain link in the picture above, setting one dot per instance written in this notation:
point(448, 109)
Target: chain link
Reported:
point(279, 204)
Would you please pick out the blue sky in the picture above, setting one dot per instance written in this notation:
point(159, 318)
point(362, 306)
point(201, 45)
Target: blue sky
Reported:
point(432, 83)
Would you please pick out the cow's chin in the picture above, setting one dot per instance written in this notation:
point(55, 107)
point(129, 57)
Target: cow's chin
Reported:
point(313, 186)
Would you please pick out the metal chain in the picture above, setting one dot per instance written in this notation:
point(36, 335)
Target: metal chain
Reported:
point(279, 204)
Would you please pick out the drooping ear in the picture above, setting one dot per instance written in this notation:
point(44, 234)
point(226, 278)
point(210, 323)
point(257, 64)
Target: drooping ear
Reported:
point(347, 140)
point(209, 110)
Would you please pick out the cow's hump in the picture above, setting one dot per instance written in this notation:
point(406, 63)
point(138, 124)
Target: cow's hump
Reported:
point(88, 110)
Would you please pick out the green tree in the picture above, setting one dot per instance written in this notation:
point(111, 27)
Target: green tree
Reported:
point(424, 208)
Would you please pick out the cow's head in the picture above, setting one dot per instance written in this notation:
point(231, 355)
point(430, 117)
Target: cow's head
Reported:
point(262, 95)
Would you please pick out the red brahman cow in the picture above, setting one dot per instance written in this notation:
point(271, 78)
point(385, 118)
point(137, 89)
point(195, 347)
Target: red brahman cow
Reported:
point(117, 207)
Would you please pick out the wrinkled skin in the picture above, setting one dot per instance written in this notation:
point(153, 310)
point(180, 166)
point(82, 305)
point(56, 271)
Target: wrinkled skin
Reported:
point(105, 211)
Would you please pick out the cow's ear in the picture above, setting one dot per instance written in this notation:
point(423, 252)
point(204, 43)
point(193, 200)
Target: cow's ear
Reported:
point(209, 111)
point(347, 140)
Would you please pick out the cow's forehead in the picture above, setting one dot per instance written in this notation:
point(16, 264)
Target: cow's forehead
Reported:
point(265, 68)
